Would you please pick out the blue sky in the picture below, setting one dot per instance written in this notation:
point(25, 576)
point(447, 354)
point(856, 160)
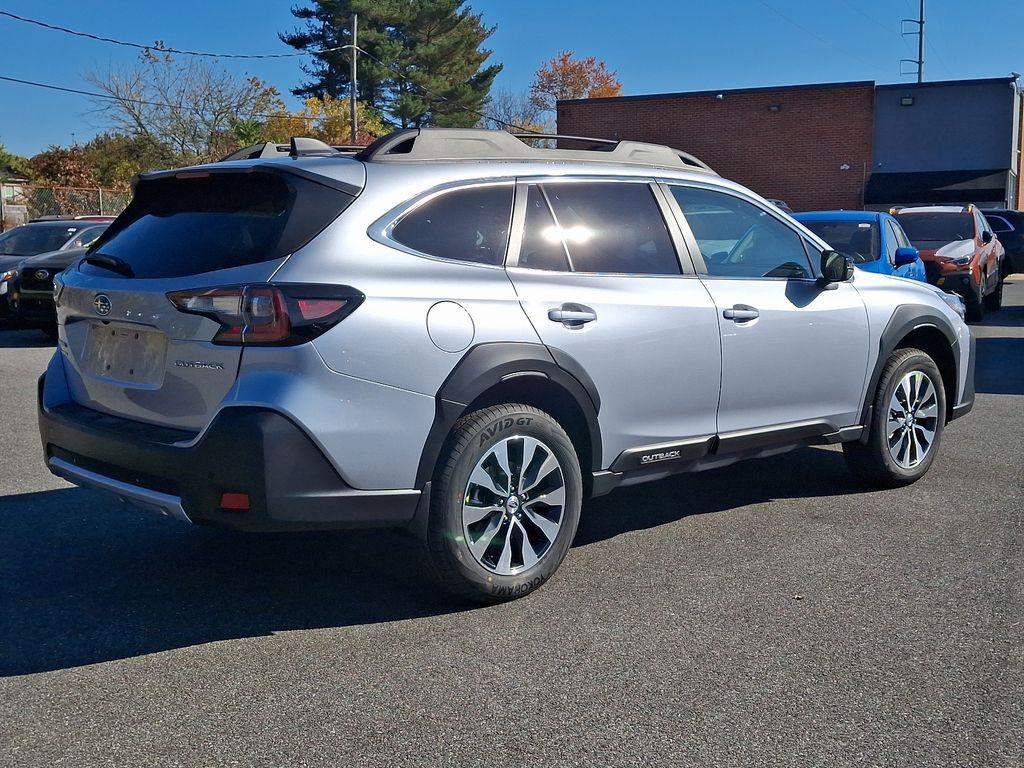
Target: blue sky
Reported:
point(653, 45)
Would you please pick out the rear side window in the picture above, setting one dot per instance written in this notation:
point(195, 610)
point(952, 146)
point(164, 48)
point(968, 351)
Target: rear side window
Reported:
point(186, 226)
point(605, 227)
point(462, 225)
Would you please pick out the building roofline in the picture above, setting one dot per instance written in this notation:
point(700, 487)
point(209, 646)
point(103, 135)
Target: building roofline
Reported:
point(944, 83)
point(801, 87)
point(723, 91)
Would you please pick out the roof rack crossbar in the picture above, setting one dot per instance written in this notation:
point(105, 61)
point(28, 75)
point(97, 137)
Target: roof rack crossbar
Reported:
point(297, 147)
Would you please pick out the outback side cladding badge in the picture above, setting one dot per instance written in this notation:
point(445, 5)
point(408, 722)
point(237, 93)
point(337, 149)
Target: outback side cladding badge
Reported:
point(651, 458)
point(201, 364)
point(102, 304)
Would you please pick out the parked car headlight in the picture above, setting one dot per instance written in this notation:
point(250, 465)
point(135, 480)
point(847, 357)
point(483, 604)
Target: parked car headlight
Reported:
point(962, 261)
point(9, 275)
point(956, 304)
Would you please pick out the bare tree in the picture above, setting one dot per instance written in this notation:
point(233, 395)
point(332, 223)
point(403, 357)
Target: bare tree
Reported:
point(514, 111)
point(190, 106)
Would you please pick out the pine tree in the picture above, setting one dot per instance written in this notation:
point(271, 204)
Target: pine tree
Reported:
point(424, 64)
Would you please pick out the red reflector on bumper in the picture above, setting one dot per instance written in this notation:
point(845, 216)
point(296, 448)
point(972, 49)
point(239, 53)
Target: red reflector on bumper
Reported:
point(235, 502)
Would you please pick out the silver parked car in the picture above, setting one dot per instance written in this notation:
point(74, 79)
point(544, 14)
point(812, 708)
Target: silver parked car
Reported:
point(457, 333)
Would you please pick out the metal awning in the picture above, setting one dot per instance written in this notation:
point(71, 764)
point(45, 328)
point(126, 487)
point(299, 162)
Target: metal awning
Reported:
point(936, 187)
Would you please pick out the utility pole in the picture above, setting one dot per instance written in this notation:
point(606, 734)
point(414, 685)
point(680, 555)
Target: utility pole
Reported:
point(921, 43)
point(352, 74)
point(919, 61)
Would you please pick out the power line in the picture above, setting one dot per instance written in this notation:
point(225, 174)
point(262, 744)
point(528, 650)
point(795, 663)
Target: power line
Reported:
point(158, 46)
point(265, 116)
point(165, 49)
point(143, 102)
point(812, 33)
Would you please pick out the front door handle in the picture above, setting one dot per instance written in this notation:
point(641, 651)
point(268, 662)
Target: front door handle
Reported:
point(572, 315)
point(741, 313)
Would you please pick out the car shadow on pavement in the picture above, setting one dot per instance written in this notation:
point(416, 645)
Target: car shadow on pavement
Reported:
point(806, 473)
point(1000, 366)
point(24, 338)
point(85, 579)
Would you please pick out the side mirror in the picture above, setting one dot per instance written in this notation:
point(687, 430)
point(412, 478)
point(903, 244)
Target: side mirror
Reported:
point(905, 256)
point(986, 237)
point(835, 268)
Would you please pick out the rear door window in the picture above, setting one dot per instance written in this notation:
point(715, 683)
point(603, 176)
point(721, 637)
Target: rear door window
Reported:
point(177, 226)
point(470, 224)
point(599, 227)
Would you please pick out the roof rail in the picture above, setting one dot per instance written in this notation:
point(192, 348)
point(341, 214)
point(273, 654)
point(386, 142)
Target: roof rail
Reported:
point(298, 147)
point(420, 144)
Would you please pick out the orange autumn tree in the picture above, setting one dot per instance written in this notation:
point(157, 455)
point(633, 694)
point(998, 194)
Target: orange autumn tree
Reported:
point(566, 77)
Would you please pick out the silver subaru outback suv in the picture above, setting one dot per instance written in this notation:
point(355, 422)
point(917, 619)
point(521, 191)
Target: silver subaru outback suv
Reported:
point(463, 335)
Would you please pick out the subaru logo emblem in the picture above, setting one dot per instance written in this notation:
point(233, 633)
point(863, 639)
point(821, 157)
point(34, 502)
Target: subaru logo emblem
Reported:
point(102, 304)
point(41, 274)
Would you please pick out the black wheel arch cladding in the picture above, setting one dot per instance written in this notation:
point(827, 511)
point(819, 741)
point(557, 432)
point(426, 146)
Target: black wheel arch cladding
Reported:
point(907, 320)
point(488, 366)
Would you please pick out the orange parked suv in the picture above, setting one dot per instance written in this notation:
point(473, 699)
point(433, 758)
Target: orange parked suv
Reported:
point(960, 253)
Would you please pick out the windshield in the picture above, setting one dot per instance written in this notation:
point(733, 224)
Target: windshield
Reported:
point(35, 238)
point(856, 239)
point(933, 230)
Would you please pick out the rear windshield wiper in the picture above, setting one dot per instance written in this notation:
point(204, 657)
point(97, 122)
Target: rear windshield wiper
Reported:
point(113, 263)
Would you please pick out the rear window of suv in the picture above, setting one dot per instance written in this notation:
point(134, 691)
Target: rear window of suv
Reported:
point(188, 225)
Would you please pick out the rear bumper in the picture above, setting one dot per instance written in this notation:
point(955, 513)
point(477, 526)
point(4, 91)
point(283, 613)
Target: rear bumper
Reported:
point(36, 307)
point(290, 483)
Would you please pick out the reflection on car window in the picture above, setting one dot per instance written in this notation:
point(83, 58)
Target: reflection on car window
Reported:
point(739, 239)
point(856, 239)
point(612, 227)
point(32, 239)
point(542, 248)
point(935, 229)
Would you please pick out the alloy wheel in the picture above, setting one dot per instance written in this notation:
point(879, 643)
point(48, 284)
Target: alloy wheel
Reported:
point(513, 505)
point(913, 419)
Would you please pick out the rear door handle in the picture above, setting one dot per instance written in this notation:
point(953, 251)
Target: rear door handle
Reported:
point(741, 313)
point(572, 315)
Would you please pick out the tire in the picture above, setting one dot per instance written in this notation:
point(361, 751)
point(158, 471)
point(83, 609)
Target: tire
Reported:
point(875, 462)
point(975, 304)
point(994, 301)
point(483, 442)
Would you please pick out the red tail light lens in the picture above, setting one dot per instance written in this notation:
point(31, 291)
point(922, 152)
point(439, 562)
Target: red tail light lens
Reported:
point(269, 315)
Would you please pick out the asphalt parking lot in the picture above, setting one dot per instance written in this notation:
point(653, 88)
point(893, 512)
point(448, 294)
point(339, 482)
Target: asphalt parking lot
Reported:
point(771, 613)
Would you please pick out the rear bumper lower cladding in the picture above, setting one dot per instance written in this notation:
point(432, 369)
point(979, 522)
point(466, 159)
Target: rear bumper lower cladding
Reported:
point(291, 485)
point(967, 396)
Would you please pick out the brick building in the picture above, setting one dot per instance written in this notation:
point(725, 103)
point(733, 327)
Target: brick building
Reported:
point(818, 146)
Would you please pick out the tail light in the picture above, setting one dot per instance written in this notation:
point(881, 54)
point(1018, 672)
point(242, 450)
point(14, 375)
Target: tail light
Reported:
point(267, 314)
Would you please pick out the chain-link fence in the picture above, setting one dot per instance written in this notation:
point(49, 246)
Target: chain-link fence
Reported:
point(20, 203)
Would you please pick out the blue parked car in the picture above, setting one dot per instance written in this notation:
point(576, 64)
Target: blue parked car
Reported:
point(875, 241)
